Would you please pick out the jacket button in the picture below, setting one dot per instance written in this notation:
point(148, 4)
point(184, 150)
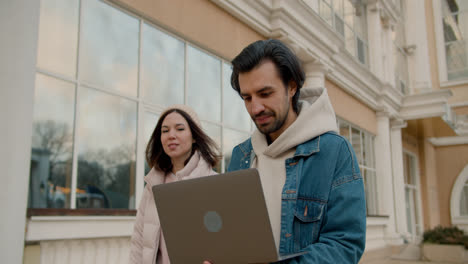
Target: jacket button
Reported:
point(246, 161)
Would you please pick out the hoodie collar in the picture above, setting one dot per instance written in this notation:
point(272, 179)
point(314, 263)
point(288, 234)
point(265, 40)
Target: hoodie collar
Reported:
point(315, 118)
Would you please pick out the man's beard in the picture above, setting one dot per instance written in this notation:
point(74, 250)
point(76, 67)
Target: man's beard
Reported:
point(272, 127)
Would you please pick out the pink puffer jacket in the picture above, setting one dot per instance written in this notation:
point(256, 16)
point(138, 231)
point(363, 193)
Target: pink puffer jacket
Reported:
point(144, 244)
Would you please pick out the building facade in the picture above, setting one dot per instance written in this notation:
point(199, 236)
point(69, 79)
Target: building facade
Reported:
point(83, 83)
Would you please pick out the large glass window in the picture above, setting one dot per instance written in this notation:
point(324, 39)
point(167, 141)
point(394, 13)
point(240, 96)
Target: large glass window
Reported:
point(348, 19)
point(455, 23)
point(412, 195)
point(103, 74)
point(363, 145)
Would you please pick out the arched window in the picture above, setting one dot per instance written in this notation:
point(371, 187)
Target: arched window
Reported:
point(459, 200)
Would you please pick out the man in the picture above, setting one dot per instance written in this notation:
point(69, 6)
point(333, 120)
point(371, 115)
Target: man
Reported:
point(310, 175)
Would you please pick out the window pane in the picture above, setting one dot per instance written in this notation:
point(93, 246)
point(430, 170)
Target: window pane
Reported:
point(409, 210)
point(234, 112)
point(456, 56)
point(231, 138)
point(356, 142)
point(106, 151)
point(109, 52)
point(204, 84)
point(464, 201)
point(149, 123)
point(344, 130)
point(162, 69)
point(361, 51)
point(52, 143)
point(58, 36)
point(339, 25)
point(367, 147)
point(370, 187)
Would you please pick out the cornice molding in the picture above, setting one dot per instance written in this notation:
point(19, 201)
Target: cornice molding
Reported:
point(448, 141)
point(424, 105)
point(397, 124)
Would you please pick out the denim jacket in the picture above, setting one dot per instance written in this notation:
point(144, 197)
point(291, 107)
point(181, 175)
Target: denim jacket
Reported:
point(323, 210)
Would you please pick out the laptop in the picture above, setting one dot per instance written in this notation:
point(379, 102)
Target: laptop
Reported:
point(221, 218)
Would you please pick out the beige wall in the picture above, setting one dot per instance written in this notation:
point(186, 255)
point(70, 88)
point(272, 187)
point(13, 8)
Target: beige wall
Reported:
point(461, 110)
point(198, 21)
point(460, 94)
point(450, 162)
point(429, 184)
point(342, 102)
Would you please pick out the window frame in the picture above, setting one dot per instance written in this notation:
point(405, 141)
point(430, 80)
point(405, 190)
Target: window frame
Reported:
point(440, 48)
point(356, 36)
point(142, 106)
point(362, 167)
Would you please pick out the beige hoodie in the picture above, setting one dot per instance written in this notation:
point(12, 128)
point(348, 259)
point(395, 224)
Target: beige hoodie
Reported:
point(146, 238)
point(316, 116)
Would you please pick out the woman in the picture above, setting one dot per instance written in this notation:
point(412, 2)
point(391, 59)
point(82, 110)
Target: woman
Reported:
point(178, 150)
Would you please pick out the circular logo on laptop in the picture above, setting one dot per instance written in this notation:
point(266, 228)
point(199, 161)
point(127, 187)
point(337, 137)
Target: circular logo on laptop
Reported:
point(213, 222)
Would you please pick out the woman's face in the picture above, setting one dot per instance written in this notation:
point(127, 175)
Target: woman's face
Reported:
point(176, 137)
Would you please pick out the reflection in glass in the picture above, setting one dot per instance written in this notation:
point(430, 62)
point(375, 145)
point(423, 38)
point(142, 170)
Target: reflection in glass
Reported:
point(409, 210)
point(58, 36)
point(149, 123)
point(106, 152)
point(356, 142)
point(162, 69)
point(52, 143)
point(109, 51)
point(204, 84)
point(231, 139)
point(370, 187)
point(234, 112)
point(344, 131)
point(464, 201)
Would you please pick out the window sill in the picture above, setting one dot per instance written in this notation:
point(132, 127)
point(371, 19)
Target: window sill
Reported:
point(79, 212)
point(77, 226)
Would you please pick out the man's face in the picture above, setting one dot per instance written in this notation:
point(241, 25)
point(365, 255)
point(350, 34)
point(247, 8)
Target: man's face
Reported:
point(267, 100)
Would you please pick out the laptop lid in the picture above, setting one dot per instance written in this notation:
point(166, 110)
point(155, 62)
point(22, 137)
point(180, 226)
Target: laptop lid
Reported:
point(221, 218)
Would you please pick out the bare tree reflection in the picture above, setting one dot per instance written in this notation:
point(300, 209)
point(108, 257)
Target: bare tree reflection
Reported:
point(106, 177)
point(50, 164)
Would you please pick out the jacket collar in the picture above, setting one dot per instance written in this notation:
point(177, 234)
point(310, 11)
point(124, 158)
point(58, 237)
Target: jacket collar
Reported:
point(308, 148)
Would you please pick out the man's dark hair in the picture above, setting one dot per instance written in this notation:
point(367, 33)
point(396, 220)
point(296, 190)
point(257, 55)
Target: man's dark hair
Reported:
point(156, 157)
point(287, 63)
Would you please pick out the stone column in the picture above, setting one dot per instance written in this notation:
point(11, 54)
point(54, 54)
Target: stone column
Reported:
point(383, 162)
point(19, 22)
point(398, 176)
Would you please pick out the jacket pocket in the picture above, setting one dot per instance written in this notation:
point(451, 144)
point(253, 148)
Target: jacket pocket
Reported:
point(308, 218)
